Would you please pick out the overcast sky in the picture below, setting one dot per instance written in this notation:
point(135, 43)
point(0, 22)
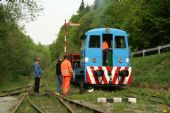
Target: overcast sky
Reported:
point(46, 27)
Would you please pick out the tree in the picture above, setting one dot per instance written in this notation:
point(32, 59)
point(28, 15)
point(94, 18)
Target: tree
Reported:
point(16, 49)
point(82, 7)
point(19, 10)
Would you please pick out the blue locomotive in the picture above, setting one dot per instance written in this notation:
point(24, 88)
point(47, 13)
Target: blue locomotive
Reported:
point(95, 66)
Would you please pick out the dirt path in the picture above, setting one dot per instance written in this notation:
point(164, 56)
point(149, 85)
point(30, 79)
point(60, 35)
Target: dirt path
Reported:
point(6, 104)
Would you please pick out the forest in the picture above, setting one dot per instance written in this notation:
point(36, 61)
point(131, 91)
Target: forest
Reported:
point(17, 50)
point(146, 21)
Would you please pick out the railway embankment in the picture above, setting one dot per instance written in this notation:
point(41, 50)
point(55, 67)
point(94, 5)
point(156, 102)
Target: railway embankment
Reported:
point(152, 71)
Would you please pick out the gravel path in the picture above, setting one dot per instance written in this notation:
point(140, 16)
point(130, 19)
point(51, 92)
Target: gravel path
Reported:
point(6, 104)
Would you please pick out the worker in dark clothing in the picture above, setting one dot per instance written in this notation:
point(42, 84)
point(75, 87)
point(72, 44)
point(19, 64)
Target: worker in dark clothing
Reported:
point(59, 76)
point(37, 75)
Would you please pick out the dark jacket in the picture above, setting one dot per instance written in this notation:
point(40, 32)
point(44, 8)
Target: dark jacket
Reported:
point(58, 69)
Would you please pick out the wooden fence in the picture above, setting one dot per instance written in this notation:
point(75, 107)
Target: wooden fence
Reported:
point(143, 52)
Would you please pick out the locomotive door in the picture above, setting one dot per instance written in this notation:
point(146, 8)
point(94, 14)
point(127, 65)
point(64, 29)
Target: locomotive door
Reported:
point(107, 53)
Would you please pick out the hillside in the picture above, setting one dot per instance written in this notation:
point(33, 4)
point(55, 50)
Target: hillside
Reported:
point(152, 71)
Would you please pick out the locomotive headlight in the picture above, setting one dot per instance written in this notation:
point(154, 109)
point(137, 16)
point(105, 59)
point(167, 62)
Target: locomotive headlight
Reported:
point(120, 60)
point(127, 59)
point(86, 59)
point(94, 60)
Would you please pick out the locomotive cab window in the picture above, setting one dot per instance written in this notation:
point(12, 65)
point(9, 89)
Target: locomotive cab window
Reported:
point(94, 41)
point(120, 42)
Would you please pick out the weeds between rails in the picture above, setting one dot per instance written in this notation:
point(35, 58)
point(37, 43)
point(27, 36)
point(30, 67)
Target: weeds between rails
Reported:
point(14, 91)
point(151, 98)
point(76, 105)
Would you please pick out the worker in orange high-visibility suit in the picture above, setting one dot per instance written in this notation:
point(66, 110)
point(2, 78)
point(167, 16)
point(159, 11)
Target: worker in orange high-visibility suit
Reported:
point(67, 73)
point(105, 52)
point(105, 45)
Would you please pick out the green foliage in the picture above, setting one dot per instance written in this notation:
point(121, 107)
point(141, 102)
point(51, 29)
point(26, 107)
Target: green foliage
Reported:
point(147, 22)
point(82, 7)
point(20, 10)
point(17, 50)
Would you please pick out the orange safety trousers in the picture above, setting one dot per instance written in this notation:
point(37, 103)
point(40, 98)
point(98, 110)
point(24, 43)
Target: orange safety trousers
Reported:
point(66, 84)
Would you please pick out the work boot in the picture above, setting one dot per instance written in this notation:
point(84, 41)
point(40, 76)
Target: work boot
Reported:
point(36, 94)
point(57, 93)
point(65, 93)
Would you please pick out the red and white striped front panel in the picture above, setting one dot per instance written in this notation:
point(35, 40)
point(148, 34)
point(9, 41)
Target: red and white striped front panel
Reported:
point(114, 78)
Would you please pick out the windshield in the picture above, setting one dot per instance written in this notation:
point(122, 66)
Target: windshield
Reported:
point(94, 41)
point(120, 42)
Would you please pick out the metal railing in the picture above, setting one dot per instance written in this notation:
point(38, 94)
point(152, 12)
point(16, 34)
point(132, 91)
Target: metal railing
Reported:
point(143, 52)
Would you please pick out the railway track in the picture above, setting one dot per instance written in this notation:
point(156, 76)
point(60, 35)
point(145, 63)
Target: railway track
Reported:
point(14, 91)
point(16, 107)
point(46, 102)
point(49, 102)
point(78, 107)
point(151, 98)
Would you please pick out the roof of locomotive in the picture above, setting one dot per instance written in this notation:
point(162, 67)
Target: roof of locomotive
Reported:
point(106, 30)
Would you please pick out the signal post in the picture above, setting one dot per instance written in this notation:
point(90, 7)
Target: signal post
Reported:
point(65, 33)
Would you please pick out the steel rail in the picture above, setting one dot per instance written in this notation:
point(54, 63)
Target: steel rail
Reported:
point(12, 93)
point(34, 106)
point(77, 103)
point(38, 109)
point(149, 98)
point(20, 102)
point(17, 88)
point(66, 105)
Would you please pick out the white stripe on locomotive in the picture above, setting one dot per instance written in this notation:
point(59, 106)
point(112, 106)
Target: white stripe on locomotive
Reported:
point(127, 78)
point(106, 74)
point(113, 73)
point(91, 75)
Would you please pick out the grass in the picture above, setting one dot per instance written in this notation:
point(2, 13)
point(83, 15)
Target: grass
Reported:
point(151, 70)
point(21, 81)
point(49, 76)
point(142, 106)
